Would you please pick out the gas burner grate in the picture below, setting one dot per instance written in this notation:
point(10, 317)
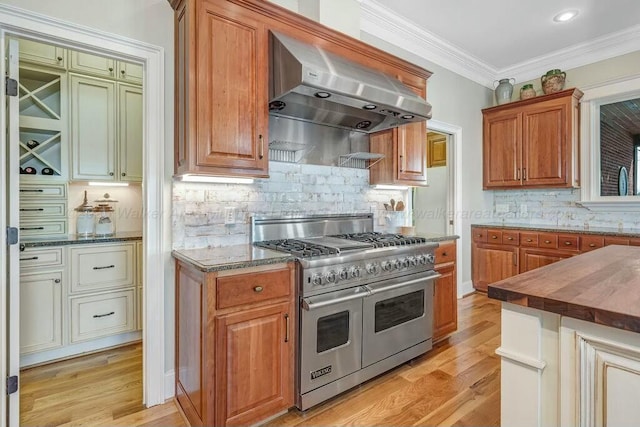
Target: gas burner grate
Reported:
point(297, 247)
point(380, 240)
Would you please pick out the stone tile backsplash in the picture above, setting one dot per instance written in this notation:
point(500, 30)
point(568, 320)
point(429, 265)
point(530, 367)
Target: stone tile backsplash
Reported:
point(291, 189)
point(557, 208)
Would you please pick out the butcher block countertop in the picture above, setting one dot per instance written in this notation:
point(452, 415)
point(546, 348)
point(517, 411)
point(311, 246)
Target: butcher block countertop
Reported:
point(602, 286)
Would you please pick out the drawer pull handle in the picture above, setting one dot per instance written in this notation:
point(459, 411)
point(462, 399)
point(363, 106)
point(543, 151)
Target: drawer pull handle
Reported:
point(258, 289)
point(31, 228)
point(286, 323)
point(33, 258)
point(96, 316)
point(567, 243)
point(592, 245)
point(494, 237)
point(529, 240)
point(102, 268)
point(509, 238)
point(444, 254)
point(261, 140)
point(31, 209)
point(39, 190)
point(547, 241)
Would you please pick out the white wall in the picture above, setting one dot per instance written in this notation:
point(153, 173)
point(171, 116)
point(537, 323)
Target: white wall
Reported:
point(149, 21)
point(430, 203)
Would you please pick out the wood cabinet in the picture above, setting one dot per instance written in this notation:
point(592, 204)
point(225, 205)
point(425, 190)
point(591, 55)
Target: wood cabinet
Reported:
point(235, 343)
point(436, 150)
point(222, 98)
point(106, 133)
point(532, 143)
point(493, 249)
point(445, 292)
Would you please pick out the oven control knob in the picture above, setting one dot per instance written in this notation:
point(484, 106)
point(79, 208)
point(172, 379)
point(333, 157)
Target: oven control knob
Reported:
point(316, 280)
point(355, 272)
point(373, 268)
point(344, 274)
point(413, 262)
point(422, 260)
point(431, 258)
point(406, 262)
point(387, 266)
point(399, 263)
point(331, 277)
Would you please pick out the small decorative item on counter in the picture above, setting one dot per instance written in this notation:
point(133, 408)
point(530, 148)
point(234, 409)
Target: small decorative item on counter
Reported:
point(105, 216)
point(553, 81)
point(47, 171)
point(85, 226)
point(504, 90)
point(527, 91)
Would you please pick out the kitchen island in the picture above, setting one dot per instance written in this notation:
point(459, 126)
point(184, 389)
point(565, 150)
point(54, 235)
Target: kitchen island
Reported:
point(571, 341)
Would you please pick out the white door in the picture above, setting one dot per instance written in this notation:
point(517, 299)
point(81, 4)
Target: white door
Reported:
point(9, 217)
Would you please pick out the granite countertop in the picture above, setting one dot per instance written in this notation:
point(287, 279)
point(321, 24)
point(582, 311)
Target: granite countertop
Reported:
point(601, 286)
point(230, 257)
point(559, 228)
point(243, 256)
point(72, 239)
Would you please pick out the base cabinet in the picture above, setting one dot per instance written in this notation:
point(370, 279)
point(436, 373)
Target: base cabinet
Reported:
point(40, 311)
point(445, 292)
point(491, 263)
point(532, 258)
point(234, 343)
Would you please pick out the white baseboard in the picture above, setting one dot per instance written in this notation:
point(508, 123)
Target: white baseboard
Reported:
point(169, 384)
point(466, 289)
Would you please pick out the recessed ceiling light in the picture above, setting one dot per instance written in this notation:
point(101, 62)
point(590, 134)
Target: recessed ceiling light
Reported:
point(565, 16)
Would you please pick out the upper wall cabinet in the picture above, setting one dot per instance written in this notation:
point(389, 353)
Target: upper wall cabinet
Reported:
point(222, 97)
point(43, 54)
point(221, 100)
point(532, 143)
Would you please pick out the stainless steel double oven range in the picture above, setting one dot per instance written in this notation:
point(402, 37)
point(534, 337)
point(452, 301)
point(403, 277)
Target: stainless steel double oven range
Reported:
point(365, 298)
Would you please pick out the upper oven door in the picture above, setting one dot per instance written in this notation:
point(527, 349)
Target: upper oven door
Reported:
point(331, 337)
point(397, 315)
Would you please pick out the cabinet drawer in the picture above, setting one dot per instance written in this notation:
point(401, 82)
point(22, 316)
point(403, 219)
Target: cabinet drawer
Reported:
point(510, 238)
point(43, 227)
point(32, 258)
point(480, 235)
point(529, 240)
point(104, 314)
point(38, 191)
point(101, 267)
point(589, 243)
point(494, 236)
point(568, 242)
point(616, 241)
point(252, 288)
point(33, 210)
point(446, 252)
point(548, 240)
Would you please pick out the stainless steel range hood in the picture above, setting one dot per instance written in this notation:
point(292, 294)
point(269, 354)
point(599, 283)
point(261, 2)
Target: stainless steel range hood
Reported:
point(311, 84)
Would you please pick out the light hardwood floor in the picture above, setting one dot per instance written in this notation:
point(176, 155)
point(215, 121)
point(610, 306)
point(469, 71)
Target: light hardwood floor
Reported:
point(455, 384)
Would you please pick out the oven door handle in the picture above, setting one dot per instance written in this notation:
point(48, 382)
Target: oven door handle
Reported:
point(376, 289)
point(313, 303)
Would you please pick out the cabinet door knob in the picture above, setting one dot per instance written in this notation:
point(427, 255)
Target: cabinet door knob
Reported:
point(509, 238)
point(529, 240)
point(567, 243)
point(494, 237)
point(592, 245)
point(258, 289)
point(56, 281)
point(59, 58)
point(122, 72)
point(444, 254)
point(123, 174)
point(547, 241)
point(110, 173)
point(111, 69)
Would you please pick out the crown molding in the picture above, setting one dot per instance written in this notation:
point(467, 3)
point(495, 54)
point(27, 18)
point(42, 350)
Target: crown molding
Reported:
point(385, 24)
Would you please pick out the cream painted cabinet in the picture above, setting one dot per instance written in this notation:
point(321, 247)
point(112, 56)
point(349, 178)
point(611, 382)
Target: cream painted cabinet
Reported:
point(42, 53)
point(130, 132)
point(93, 64)
point(93, 128)
point(40, 311)
point(106, 313)
point(132, 73)
point(100, 267)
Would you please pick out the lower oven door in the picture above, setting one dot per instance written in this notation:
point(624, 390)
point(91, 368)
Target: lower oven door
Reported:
point(397, 315)
point(331, 337)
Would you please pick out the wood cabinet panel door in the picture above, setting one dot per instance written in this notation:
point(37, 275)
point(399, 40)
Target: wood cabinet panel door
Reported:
point(544, 149)
point(232, 47)
point(412, 148)
point(532, 258)
point(502, 149)
point(445, 309)
point(254, 364)
point(492, 263)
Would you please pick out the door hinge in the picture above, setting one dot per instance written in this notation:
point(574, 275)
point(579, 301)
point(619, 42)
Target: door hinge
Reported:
point(12, 384)
point(12, 236)
point(11, 87)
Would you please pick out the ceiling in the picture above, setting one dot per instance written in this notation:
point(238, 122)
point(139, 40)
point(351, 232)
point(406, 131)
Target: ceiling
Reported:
point(506, 38)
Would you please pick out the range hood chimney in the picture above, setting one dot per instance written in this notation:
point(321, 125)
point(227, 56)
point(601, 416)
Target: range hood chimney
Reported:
point(310, 84)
